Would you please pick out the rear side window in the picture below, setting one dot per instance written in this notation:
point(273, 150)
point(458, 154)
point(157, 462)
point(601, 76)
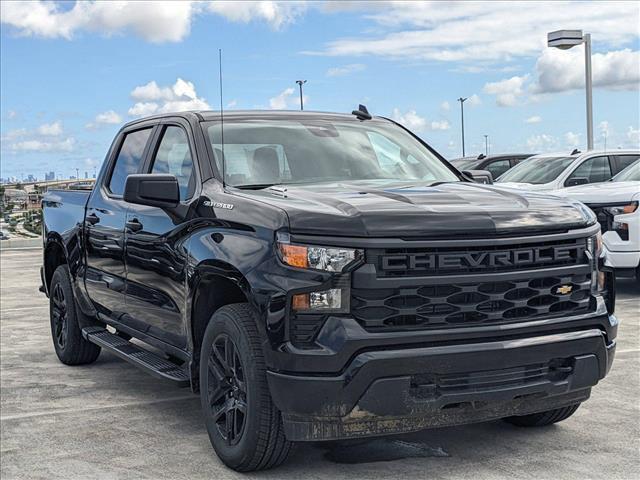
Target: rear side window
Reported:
point(625, 160)
point(595, 170)
point(498, 167)
point(174, 157)
point(129, 159)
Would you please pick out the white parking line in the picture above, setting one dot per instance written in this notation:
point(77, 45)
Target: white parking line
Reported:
point(628, 350)
point(19, 416)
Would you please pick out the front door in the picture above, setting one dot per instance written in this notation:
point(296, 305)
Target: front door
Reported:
point(105, 278)
point(155, 256)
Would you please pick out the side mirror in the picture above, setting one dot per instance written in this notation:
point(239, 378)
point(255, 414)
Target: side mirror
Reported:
point(153, 190)
point(572, 182)
point(479, 176)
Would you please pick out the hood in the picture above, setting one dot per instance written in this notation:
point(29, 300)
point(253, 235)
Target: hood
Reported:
point(378, 209)
point(606, 192)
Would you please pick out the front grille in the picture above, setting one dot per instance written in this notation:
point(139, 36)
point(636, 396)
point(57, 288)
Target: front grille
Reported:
point(605, 219)
point(470, 304)
point(433, 385)
point(398, 262)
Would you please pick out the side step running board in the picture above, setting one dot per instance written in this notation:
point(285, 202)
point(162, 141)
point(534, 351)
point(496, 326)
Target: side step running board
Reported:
point(141, 358)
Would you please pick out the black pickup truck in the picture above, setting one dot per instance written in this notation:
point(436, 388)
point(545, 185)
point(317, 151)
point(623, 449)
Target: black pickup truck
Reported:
point(320, 276)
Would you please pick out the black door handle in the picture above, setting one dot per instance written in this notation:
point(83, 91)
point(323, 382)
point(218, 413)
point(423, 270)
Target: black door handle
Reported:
point(134, 225)
point(93, 219)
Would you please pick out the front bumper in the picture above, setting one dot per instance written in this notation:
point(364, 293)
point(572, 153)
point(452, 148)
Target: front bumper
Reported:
point(406, 389)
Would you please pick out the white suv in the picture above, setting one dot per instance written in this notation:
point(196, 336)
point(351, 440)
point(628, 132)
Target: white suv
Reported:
point(616, 205)
point(555, 171)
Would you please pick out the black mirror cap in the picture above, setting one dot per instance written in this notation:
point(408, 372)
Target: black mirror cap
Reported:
point(479, 176)
point(575, 181)
point(152, 189)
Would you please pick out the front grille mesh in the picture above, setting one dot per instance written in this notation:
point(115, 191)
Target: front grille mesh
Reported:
point(468, 304)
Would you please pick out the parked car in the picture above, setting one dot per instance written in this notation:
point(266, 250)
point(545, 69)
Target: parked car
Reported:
point(552, 171)
point(495, 164)
point(4, 235)
point(616, 205)
point(319, 276)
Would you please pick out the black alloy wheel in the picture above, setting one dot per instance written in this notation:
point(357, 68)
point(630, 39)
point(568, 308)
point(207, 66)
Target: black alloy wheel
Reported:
point(227, 389)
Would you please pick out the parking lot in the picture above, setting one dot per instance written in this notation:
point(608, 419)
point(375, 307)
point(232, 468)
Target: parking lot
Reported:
point(110, 420)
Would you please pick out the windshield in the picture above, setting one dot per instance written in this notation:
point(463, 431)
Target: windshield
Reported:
point(266, 151)
point(465, 163)
point(537, 170)
point(629, 174)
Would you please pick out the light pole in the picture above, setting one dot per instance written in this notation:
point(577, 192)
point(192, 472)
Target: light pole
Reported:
point(486, 144)
point(462, 100)
point(564, 40)
point(300, 83)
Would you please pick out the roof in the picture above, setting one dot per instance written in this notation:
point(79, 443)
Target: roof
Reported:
point(494, 156)
point(208, 115)
point(590, 153)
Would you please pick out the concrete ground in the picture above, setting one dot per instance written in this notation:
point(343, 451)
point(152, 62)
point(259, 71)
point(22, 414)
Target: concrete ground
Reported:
point(110, 420)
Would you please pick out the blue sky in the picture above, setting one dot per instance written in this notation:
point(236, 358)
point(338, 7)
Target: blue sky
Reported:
point(71, 74)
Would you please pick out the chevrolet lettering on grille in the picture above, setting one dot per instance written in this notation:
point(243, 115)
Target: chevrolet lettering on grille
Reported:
point(480, 260)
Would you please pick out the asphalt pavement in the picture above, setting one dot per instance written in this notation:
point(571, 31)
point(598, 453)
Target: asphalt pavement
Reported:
point(111, 420)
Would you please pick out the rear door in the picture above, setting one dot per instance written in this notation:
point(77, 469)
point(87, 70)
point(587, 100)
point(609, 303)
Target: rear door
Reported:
point(498, 167)
point(155, 256)
point(594, 169)
point(105, 277)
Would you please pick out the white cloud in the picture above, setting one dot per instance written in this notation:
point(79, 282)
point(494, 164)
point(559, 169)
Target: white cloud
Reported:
point(11, 114)
point(604, 128)
point(179, 97)
point(415, 122)
point(105, 118)
point(50, 129)
point(168, 21)
point(232, 104)
point(534, 119)
point(153, 21)
point(34, 145)
point(572, 139)
point(562, 70)
point(345, 70)
point(143, 109)
point(542, 143)
point(445, 106)
point(507, 92)
point(440, 125)
point(410, 119)
point(286, 99)
point(474, 100)
point(482, 32)
point(633, 136)
point(276, 14)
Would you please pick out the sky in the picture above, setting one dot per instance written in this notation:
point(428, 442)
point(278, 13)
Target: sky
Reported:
point(72, 73)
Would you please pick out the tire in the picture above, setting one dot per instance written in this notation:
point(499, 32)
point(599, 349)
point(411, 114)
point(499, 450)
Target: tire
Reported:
point(68, 343)
point(244, 426)
point(543, 418)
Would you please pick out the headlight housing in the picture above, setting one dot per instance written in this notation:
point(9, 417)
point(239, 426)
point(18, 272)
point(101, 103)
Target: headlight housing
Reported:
point(328, 259)
point(621, 209)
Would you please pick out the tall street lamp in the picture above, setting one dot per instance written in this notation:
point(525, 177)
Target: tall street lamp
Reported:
point(462, 100)
point(486, 144)
point(300, 83)
point(564, 40)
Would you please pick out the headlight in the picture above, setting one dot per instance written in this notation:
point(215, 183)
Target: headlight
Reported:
point(329, 259)
point(621, 209)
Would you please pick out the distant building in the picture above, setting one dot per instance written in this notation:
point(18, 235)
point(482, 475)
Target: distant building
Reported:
point(49, 177)
point(86, 174)
point(18, 198)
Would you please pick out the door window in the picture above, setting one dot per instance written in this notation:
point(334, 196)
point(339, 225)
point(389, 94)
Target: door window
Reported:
point(129, 159)
point(174, 158)
point(595, 170)
point(498, 167)
point(625, 160)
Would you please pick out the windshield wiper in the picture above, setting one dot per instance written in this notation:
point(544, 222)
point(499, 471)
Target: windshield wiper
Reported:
point(255, 186)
